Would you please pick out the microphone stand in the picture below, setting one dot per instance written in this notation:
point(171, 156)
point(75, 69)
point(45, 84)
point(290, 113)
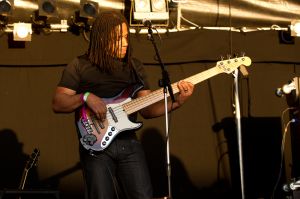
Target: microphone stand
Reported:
point(165, 83)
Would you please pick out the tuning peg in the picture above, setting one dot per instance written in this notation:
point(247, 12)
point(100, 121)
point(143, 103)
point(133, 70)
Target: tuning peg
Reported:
point(228, 56)
point(235, 55)
point(222, 58)
point(243, 54)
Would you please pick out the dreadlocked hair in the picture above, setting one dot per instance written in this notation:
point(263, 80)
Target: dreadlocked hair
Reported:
point(103, 48)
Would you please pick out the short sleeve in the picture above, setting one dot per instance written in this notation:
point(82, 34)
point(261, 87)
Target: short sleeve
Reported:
point(139, 67)
point(70, 77)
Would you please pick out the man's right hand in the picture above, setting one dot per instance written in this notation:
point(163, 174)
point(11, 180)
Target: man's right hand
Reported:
point(97, 105)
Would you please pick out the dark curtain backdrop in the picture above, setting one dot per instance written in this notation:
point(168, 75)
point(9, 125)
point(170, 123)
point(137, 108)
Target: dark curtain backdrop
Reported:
point(202, 138)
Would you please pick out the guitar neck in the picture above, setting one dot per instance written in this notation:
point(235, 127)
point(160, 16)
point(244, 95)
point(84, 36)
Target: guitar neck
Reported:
point(155, 96)
point(29, 164)
point(23, 179)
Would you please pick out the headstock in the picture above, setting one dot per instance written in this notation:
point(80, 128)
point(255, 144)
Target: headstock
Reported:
point(229, 65)
point(32, 159)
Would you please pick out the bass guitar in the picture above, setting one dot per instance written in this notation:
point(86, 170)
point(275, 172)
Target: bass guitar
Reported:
point(97, 135)
point(32, 161)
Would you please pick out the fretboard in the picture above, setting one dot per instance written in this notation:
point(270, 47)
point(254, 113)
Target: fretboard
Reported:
point(155, 96)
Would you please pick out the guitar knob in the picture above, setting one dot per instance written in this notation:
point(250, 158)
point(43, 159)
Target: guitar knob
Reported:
point(89, 139)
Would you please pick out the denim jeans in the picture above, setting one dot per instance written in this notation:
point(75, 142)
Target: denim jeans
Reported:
point(122, 165)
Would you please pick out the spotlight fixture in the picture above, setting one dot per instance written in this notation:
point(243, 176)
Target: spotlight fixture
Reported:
point(22, 31)
point(88, 9)
point(295, 28)
point(154, 10)
point(47, 8)
point(159, 6)
point(6, 7)
point(142, 6)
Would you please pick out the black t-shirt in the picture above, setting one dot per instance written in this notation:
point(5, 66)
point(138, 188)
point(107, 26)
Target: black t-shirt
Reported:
point(81, 76)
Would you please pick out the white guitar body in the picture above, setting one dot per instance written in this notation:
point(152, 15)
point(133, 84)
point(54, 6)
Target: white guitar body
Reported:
point(97, 135)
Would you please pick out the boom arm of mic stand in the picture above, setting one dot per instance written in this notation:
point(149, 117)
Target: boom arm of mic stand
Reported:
point(165, 81)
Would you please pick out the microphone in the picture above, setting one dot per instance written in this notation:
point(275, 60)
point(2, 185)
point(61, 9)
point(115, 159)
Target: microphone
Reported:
point(285, 89)
point(147, 23)
point(286, 188)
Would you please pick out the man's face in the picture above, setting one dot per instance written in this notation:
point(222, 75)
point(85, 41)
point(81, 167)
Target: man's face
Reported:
point(122, 41)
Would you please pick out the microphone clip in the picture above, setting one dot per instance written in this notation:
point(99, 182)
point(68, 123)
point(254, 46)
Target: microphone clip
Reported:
point(147, 23)
point(285, 89)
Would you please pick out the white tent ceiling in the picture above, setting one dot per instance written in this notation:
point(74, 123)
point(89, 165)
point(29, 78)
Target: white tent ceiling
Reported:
point(202, 13)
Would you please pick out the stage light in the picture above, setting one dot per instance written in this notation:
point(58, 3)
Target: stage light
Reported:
point(47, 8)
point(22, 31)
point(88, 9)
point(6, 7)
point(156, 10)
point(158, 6)
point(142, 6)
point(295, 28)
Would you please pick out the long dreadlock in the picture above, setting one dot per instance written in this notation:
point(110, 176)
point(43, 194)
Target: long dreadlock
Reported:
point(102, 51)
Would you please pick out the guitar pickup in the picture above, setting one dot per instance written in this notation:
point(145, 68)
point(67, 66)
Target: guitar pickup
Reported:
point(101, 125)
point(97, 123)
point(110, 110)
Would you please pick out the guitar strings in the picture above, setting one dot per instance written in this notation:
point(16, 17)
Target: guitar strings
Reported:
point(134, 105)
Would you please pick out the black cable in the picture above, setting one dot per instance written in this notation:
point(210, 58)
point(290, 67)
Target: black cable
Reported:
point(284, 130)
point(282, 156)
point(154, 64)
point(219, 165)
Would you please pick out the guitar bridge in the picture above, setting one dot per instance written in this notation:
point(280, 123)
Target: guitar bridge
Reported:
point(87, 125)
